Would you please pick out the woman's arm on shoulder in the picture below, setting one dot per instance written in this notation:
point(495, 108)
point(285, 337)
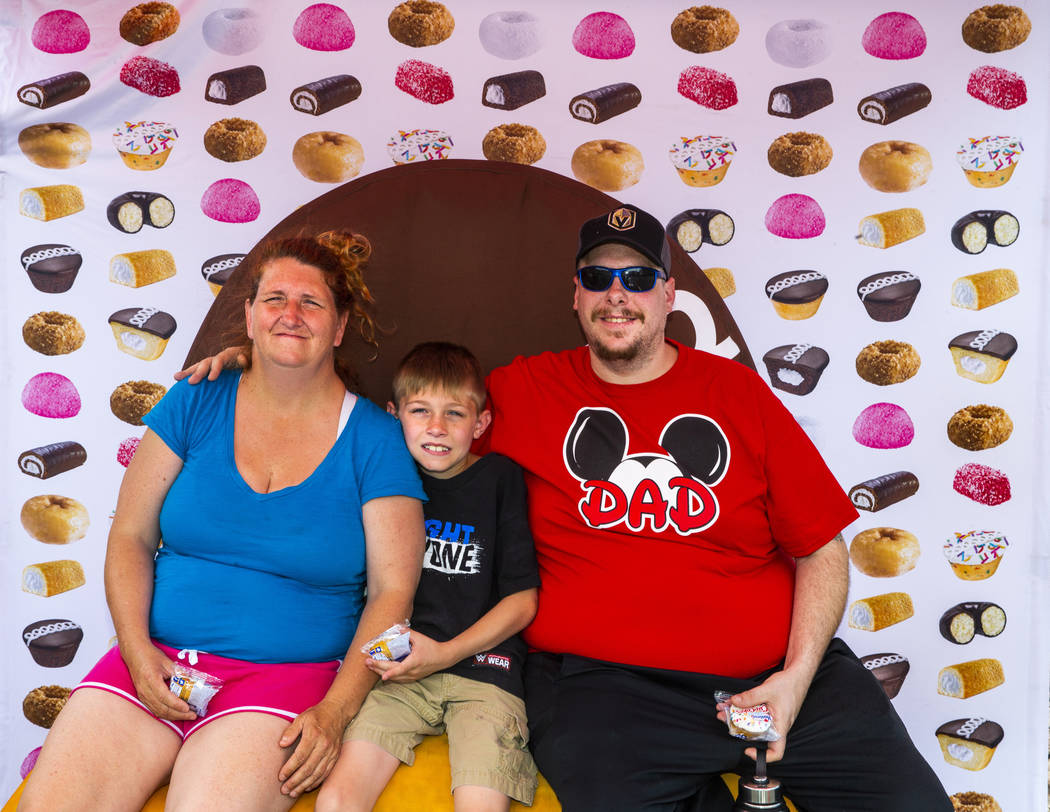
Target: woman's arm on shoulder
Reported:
point(394, 540)
point(133, 541)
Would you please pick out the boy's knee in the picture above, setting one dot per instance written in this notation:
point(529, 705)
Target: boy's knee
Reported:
point(330, 798)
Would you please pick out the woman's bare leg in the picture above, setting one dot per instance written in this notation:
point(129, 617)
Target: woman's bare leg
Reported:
point(103, 752)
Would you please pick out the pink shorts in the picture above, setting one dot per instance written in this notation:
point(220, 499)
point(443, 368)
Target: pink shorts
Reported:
point(280, 689)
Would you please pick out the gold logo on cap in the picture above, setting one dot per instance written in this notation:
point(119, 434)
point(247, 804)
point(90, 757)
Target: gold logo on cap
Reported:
point(622, 219)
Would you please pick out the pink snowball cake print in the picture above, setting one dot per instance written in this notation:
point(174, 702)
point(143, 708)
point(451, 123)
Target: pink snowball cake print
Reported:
point(126, 450)
point(424, 81)
point(324, 27)
point(997, 87)
point(603, 35)
point(60, 32)
point(707, 87)
point(796, 217)
point(982, 483)
point(50, 394)
point(29, 762)
point(883, 425)
point(230, 201)
point(894, 35)
point(151, 76)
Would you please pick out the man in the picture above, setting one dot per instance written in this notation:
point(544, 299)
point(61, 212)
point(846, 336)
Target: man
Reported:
point(669, 491)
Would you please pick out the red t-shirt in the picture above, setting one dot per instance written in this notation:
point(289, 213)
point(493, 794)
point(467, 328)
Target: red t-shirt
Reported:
point(666, 514)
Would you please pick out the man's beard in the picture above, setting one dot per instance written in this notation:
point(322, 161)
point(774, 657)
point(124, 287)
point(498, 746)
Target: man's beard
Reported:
point(623, 355)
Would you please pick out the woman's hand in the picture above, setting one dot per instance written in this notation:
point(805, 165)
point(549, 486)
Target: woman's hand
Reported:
point(320, 733)
point(150, 670)
point(426, 657)
point(213, 365)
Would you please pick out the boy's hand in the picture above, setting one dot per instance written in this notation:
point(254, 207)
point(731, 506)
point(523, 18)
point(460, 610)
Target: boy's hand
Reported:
point(427, 656)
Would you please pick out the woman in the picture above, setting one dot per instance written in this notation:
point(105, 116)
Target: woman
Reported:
point(272, 488)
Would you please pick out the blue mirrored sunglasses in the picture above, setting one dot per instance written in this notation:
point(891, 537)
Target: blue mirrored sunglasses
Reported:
point(636, 279)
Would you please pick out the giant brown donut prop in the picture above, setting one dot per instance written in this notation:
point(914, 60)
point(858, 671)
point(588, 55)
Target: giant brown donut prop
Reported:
point(475, 252)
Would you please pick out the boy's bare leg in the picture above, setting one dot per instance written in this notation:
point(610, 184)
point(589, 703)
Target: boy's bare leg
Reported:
point(358, 778)
point(470, 798)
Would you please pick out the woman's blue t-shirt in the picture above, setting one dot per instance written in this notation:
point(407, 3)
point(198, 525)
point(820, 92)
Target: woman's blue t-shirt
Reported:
point(266, 577)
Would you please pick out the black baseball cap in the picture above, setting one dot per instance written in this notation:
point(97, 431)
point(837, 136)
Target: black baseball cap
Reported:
point(632, 227)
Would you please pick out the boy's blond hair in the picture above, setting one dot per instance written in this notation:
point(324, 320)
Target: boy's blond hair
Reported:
point(440, 365)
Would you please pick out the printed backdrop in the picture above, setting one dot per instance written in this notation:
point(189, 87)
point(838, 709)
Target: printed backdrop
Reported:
point(104, 286)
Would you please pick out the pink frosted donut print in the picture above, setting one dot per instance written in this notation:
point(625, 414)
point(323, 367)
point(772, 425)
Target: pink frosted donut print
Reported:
point(982, 483)
point(51, 395)
point(61, 32)
point(797, 217)
point(29, 762)
point(894, 35)
point(883, 425)
point(151, 76)
point(230, 201)
point(603, 35)
point(324, 27)
point(127, 450)
point(707, 87)
point(424, 81)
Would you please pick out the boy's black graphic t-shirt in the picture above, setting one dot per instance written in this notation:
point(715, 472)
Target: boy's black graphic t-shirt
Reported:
point(478, 551)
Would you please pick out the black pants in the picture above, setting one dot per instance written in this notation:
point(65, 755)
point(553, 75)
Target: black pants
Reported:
point(610, 737)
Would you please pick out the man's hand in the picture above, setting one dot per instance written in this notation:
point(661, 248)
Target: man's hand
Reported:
point(213, 365)
point(427, 656)
point(320, 733)
point(783, 694)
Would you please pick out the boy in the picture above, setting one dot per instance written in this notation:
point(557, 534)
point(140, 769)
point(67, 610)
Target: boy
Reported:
point(477, 591)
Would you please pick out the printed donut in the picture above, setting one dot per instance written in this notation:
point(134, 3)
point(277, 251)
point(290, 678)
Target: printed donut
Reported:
point(980, 426)
point(607, 165)
point(510, 34)
point(887, 362)
point(53, 519)
point(515, 143)
point(798, 43)
point(328, 157)
point(702, 29)
point(234, 139)
point(57, 145)
point(974, 802)
point(799, 153)
point(232, 31)
point(52, 333)
point(132, 400)
point(149, 22)
point(42, 705)
point(419, 23)
point(996, 28)
point(895, 166)
point(884, 552)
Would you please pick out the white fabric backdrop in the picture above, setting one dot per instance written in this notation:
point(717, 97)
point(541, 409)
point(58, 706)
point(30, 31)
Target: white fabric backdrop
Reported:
point(1016, 774)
